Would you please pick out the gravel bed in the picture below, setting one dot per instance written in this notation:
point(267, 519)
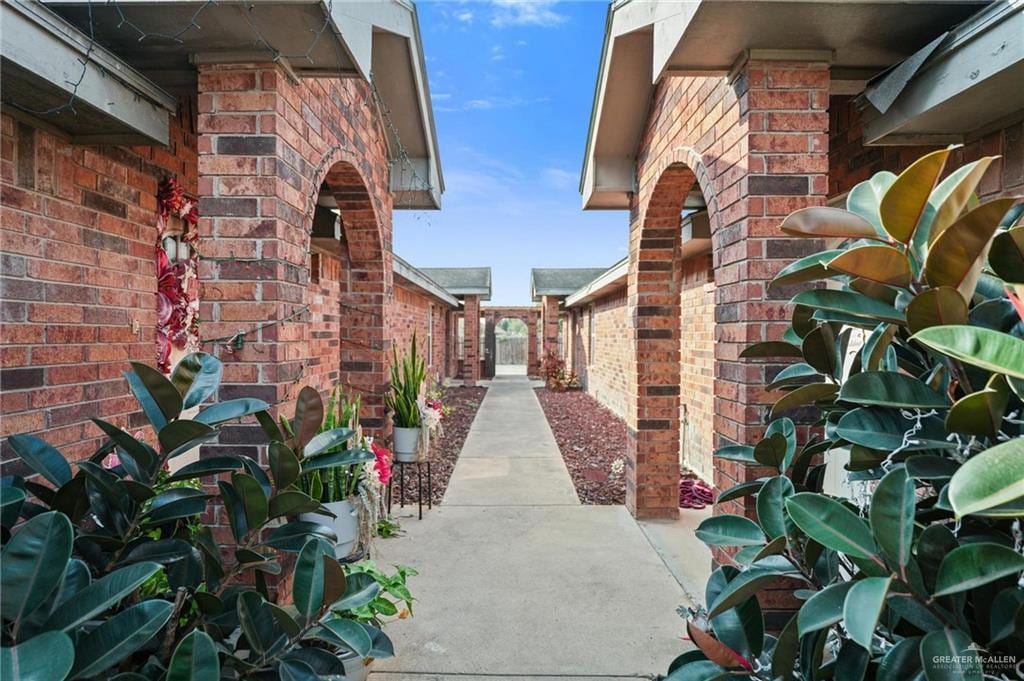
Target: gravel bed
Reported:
point(591, 439)
point(444, 450)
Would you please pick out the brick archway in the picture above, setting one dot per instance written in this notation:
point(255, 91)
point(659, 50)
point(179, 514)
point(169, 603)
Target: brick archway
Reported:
point(527, 315)
point(365, 293)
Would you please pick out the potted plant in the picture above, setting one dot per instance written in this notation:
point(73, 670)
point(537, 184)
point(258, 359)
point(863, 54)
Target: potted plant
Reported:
point(335, 486)
point(393, 600)
point(407, 376)
point(109, 571)
point(914, 358)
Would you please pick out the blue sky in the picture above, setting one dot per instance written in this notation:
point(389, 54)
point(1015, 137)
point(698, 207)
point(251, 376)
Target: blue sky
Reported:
point(512, 84)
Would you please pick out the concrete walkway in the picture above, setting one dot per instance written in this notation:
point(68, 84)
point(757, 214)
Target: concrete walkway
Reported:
point(517, 579)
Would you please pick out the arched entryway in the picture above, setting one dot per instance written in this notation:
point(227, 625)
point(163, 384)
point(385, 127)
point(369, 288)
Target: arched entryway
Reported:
point(525, 319)
point(349, 220)
point(671, 293)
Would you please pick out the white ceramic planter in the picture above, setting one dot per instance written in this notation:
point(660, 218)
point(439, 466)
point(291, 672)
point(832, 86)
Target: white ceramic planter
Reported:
point(345, 525)
point(407, 444)
point(356, 669)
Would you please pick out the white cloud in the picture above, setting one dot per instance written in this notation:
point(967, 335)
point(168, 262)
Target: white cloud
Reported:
point(526, 13)
point(440, 96)
point(489, 103)
point(559, 178)
point(465, 16)
point(497, 53)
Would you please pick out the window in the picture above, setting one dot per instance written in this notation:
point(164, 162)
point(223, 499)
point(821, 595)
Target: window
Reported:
point(460, 337)
point(430, 334)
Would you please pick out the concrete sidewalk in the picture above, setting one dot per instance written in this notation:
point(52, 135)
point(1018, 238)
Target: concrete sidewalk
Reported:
point(517, 579)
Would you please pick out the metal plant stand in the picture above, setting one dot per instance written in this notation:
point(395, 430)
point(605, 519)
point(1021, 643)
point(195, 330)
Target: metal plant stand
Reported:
point(419, 485)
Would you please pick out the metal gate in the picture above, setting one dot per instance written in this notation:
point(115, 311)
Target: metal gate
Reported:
point(511, 350)
point(489, 353)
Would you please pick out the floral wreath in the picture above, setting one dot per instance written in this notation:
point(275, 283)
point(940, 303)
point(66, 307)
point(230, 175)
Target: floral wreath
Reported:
point(177, 271)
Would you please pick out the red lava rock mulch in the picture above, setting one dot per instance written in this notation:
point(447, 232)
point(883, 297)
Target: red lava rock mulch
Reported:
point(444, 451)
point(591, 438)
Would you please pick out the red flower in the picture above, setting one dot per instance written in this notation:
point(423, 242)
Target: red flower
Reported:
point(383, 462)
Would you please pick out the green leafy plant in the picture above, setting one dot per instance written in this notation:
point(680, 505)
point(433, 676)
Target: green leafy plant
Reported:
point(106, 567)
point(912, 355)
point(340, 481)
point(394, 598)
point(407, 375)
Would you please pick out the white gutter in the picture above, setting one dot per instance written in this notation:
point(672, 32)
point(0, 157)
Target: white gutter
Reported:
point(612, 278)
point(420, 280)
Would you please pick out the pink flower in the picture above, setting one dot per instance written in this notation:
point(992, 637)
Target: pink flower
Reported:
point(382, 464)
point(112, 461)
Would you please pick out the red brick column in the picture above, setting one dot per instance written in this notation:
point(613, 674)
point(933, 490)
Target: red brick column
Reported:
point(532, 363)
point(267, 146)
point(549, 323)
point(757, 148)
point(471, 339)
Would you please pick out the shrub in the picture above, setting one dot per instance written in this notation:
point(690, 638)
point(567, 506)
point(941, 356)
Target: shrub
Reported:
point(556, 376)
point(407, 376)
point(913, 356)
point(109, 571)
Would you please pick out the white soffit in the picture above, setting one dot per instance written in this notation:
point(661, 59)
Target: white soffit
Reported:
point(646, 40)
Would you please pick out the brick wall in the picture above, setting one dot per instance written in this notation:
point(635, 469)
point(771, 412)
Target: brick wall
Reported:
point(605, 369)
point(756, 146)
point(851, 162)
point(79, 278)
point(267, 145)
point(322, 329)
point(411, 312)
point(697, 366)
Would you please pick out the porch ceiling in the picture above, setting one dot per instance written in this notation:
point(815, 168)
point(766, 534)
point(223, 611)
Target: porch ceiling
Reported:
point(310, 38)
point(646, 41)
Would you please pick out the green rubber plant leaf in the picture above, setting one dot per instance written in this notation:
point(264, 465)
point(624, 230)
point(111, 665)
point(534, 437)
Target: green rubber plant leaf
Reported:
point(851, 664)
point(956, 257)
point(308, 581)
point(686, 658)
point(292, 503)
point(292, 536)
point(252, 498)
point(1007, 255)
point(882, 264)
point(42, 458)
point(162, 551)
point(902, 661)
point(197, 377)
point(101, 595)
point(178, 437)
point(715, 650)
point(195, 659)
point(700, 670)
point(825, 222)
point(284, 465)
point(1007, 615)
point(360, 589)
point(296, 670)
point(890, 389)
point(794, 375)
point(257, 620)
point(823, 609)
point(936, 307)
point(740, 490)
point(862, 608)
point(770, 349)
point(986, 480)
point(771, 514)
point(981, 413)
point(743, 586)
point(954, 194)
point(884, 429)
point(866, 197)
point(977, 346)
point(805, 394)
point(32, 564)
point(335, 459)
point(974, 565)
point(787, 646)
point(938, 647)
point(309, 416)
point(743, 453)
point(119, 637)
point(327, 440)
point(820, 350)
point(348, 633)
point(177, 502)
point(730, 530)
point(740, 628)
point(229, 410)
point(213, 465)
point(778, 446)
point(905, 201)
point(47, 657)
point(892, 515)
point(160, 400)
point(849, 303)
point(831, 524)
point(876, 346)
point(808, 268)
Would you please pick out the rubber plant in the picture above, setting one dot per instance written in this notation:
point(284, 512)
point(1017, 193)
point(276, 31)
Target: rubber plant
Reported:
point(912, 356)
point(104, 574)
